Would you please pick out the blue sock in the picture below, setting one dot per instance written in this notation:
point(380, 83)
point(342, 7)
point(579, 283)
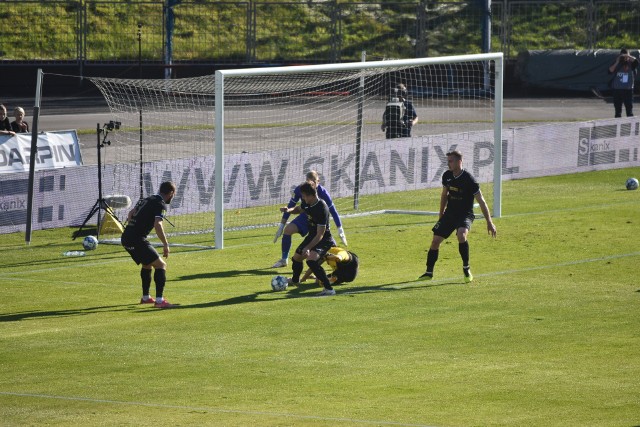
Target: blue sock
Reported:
point(286, 245)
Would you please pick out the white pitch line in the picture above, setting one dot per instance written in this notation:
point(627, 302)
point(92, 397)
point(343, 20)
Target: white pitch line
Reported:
point(262, 243)
point(209, 409)
point(575, 209)
point(408, 284)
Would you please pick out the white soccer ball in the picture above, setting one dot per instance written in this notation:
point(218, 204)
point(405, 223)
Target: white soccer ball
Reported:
point(279, 283)
point(90, 243)
point(632, 184)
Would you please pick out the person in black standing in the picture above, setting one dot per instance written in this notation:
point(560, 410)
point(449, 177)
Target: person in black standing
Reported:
point(317, 242)
point(145, 216)
point(624, 71)
point(399, 116)
point(459, 190)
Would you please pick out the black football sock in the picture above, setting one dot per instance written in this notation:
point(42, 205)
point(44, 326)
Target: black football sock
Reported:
point(145, 275)
point(432, 257)
point(463, 248)
point(160, 277)
point(296, 267)
point(321, 275)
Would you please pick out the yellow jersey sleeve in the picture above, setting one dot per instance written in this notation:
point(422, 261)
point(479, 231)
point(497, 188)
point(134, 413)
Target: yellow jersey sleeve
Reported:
point(338, 252)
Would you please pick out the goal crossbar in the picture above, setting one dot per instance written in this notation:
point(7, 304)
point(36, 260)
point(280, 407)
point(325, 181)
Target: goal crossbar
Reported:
point(221, 76)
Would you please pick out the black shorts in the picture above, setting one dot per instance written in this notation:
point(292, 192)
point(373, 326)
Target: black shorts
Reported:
point(321, 248)
point(140, 250)
point(448, 224)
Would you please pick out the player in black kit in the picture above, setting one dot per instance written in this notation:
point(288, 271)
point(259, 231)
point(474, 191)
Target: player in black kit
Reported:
point(145, 216)
point(319, 240)
point(459, 190)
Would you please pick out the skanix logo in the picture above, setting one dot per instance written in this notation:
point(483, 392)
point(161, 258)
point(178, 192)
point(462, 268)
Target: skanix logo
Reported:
point(13, 204)
point(607, 144)
point(596, 145)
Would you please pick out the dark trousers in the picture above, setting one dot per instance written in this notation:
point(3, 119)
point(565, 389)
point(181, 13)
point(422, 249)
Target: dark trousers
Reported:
point(620, 97)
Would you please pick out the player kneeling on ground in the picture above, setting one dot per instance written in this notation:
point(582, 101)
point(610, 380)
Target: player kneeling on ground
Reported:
point(344, 265)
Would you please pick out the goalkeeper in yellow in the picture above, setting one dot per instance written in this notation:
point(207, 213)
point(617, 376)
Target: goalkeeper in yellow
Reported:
point(344, 266)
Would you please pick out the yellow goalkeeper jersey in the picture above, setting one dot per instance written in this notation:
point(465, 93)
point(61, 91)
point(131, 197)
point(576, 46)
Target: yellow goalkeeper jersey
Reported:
point(339, 255)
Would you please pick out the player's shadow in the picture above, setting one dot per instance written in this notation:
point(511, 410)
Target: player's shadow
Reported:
point(300, 291)
point(292, 292)
point(416, 285)
point(25, 315)
point(89, 256)
point(225, 274)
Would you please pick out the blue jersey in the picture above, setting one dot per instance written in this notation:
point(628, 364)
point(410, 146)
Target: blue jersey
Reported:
point(323, 194)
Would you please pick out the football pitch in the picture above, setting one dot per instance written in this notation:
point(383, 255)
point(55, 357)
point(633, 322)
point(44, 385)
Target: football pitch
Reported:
point(546, 335)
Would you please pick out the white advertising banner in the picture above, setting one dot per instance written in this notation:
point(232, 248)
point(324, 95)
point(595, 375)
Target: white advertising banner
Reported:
point(64, 196)
point(267, 178)
point(55, 150)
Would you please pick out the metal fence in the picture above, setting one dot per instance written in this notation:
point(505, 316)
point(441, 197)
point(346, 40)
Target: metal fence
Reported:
point(304, 31)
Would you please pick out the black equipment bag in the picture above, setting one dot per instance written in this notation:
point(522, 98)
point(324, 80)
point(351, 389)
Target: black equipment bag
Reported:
point(393, 113)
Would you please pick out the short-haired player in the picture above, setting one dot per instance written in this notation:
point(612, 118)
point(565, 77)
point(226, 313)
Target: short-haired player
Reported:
point(317, 242)
point(459, 190)
point(299, 224)
point(148, 214)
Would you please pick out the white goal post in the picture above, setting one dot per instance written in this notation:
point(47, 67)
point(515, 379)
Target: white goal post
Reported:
point(468, 87)
point(236, 143)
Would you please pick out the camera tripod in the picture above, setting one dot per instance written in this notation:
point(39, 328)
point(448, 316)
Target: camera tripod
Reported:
point(101, 203)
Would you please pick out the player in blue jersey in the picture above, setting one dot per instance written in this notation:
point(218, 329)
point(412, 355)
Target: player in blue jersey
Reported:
point(459, 190)
point(147, 215)
point(300, 224)
point(317, 242)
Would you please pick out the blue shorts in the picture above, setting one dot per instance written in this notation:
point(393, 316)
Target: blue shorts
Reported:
point(302, 223)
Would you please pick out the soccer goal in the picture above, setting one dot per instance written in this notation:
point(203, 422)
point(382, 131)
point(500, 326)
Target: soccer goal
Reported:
point(237, 143)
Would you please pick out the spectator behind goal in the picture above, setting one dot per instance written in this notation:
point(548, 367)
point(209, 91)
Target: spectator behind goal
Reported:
point(399, 115)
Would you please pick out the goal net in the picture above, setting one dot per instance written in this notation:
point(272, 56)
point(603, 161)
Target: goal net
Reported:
point(237, 143)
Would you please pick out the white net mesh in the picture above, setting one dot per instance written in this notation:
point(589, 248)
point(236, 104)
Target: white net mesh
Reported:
point(279, 126)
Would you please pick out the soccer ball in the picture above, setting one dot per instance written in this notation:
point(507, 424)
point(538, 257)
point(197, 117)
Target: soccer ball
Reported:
point(632, 184)
point(279, 283)
point(90, 243)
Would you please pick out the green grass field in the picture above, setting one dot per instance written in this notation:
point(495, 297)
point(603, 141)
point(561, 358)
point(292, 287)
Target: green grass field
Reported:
point(547, 335)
